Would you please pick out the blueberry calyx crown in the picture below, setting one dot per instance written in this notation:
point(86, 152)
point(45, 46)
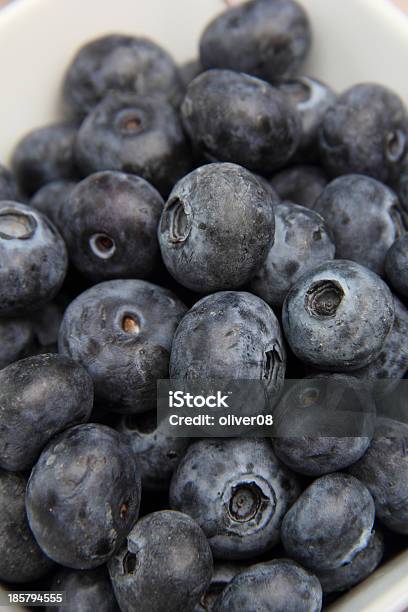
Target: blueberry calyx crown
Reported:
point(323, 298)
point(176, 220)
point(16, 225)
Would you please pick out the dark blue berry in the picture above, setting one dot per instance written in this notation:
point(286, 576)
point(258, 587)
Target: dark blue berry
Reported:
point(165, 565)
point(338, 316)
point(33, 259)
point(269, 39)
point(83, 496)
point(364, 216)
point(302, 241)
point(109, 224)
point(216, 228)
point(237, 491)
point(121, 331)
point(39, 397)
point(136, 135)
point(235, 117)
point(121, 63)
point(21, 559)
point(45, 155)
point(272, 586)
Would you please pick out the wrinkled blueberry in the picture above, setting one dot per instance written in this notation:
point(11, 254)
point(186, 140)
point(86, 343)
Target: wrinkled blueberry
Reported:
point(237, 491)
point(45, 155)
point(51, 198)
point(33, 259)
point(272, 586)
point(110, 226)
point(312, 99)
point(267, 39)
point(338, 316)
point(338, 410)
point(136, 135)
point(16, 339)
point(21, 558)
point(83, 496)
point(165, 566)
point(396, 265)
point(364, 216)
point(384, 470)
point(122, 63)
point(360, 567)
point(235, 117)
point(230, 335)
point(39, 397)
point(392, 362)
point(364, 133)
point(216, 228)
point(157, 453)
point(334, 508)
point(302, 241)
point(84, 590)
point(300, 184)
point(121, 331)
point(8, 185)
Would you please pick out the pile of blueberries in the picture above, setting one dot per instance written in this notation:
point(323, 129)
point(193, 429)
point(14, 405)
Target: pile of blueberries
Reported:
point(226, 219)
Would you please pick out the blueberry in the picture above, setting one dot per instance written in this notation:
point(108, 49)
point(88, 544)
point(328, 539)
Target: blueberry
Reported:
point(237, 491)
point(230, 335)
point(396, 265)
point(46, 323)
point(312, 99)
point(323, 424)
point(392, 362)
point(364, 216)
point(123, 63)
point(401, 185)
point(334, 508)
point(222, 576)
point(338, 316)
point(302, 241)
point(83, 496)
point(51, 198)
point(384, 471)
point(360, 567)
point(190, 70)
point(300, 184)
point(136, 135)
point(121, 331)
point(216, 228)
point(16, 339)
point(364, 133)
point(235, 117)
point(84, 591)
point(8, 185)
point(267, 39)
point(272, 586)
point(39, 397)
point(110, 226)
point(157, 453)
point(21, 558)
point(165, 566)
point(33, 259)
point(45, 155)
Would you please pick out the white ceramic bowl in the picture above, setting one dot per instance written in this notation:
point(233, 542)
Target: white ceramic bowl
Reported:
point(354, 41)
